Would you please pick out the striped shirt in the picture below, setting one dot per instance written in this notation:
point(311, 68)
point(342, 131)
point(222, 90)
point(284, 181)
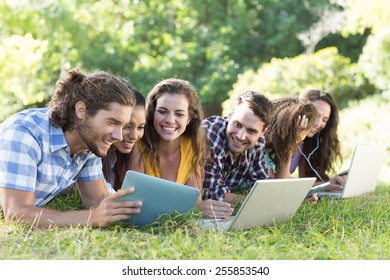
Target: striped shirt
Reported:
point(35, 157)
point(222, 173)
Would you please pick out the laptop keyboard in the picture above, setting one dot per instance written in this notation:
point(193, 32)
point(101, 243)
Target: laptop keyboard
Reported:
point(221, 224)
point(330, 194)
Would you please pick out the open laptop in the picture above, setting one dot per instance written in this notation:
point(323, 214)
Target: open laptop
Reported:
point(363, 172)
point(269, 202)
point(159, 196)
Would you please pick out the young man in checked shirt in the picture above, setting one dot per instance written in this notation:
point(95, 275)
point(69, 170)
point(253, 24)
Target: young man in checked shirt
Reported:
point(237, 153)
point(44, 151)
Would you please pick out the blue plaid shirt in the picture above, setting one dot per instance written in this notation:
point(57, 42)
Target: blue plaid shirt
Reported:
point(222, 173)
point(35, 157)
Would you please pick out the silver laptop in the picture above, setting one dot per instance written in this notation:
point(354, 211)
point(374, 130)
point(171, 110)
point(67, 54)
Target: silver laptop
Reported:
point(269, 202)
point(363, 172)
point(160, 197)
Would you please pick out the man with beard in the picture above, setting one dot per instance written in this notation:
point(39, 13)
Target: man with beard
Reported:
point(237, 153)
point(44, 151)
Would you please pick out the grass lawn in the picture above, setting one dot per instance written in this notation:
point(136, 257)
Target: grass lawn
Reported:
point(350, 229)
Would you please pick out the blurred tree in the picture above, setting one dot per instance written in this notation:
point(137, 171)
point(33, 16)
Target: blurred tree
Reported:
point(207, 42)
point(374, 62)
point(331, 20)
point(350, 46)
point(22, 73)
point(363, 14)
point(325, 70)
point(375, 58)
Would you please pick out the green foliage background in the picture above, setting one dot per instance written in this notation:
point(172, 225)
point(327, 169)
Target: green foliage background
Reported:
point(325, 70)
point(223, 47)
point(207, 42)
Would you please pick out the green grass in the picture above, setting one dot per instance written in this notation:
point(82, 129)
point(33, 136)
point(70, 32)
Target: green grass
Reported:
point(351, 229)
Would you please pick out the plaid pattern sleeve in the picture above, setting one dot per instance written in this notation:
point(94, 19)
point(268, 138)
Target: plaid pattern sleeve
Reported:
point(222, 173)
point(19, 154)
point(34, 157)
point(214, 185)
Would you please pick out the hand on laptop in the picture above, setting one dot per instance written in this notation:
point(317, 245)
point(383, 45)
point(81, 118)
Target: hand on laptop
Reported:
point(336, 183)
point(216, 209)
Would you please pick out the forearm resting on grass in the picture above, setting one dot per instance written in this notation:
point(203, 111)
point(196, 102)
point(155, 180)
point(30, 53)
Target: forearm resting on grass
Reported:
point(18, 206)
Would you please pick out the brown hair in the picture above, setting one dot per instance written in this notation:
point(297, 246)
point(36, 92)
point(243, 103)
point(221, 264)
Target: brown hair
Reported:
point(97, 90)
point(283, 134)
point(329, 152)
point(122, 160)
point(258, 103)
point(194, 129)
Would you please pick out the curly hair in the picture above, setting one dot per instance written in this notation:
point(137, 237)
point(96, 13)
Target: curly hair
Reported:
point(283, 134)
point(326, 156)
point(194, 129)
point(97, 90)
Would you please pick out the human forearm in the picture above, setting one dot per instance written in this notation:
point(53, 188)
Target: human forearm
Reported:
point(18, 207)
point(46, 218)
point(234, 198)
point(92, 192)
point(283, 171)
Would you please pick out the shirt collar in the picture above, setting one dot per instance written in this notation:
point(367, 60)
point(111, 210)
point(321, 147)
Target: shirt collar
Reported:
point(57, 138)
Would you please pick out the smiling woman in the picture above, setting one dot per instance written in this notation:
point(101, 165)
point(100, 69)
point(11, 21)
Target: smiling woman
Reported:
point(119, 157)
point(173, 146)
point(321, 148)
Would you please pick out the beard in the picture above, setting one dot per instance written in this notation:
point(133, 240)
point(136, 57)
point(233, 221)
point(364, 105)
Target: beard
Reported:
point(88, 134)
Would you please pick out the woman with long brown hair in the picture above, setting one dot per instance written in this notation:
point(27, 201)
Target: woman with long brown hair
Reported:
point(321, 148)
point(173, 146)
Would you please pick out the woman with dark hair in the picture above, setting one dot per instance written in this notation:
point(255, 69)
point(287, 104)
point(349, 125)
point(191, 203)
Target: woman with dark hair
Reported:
point(118, 158)
point(173, 147)
point(321, 148)
point(291, 122)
